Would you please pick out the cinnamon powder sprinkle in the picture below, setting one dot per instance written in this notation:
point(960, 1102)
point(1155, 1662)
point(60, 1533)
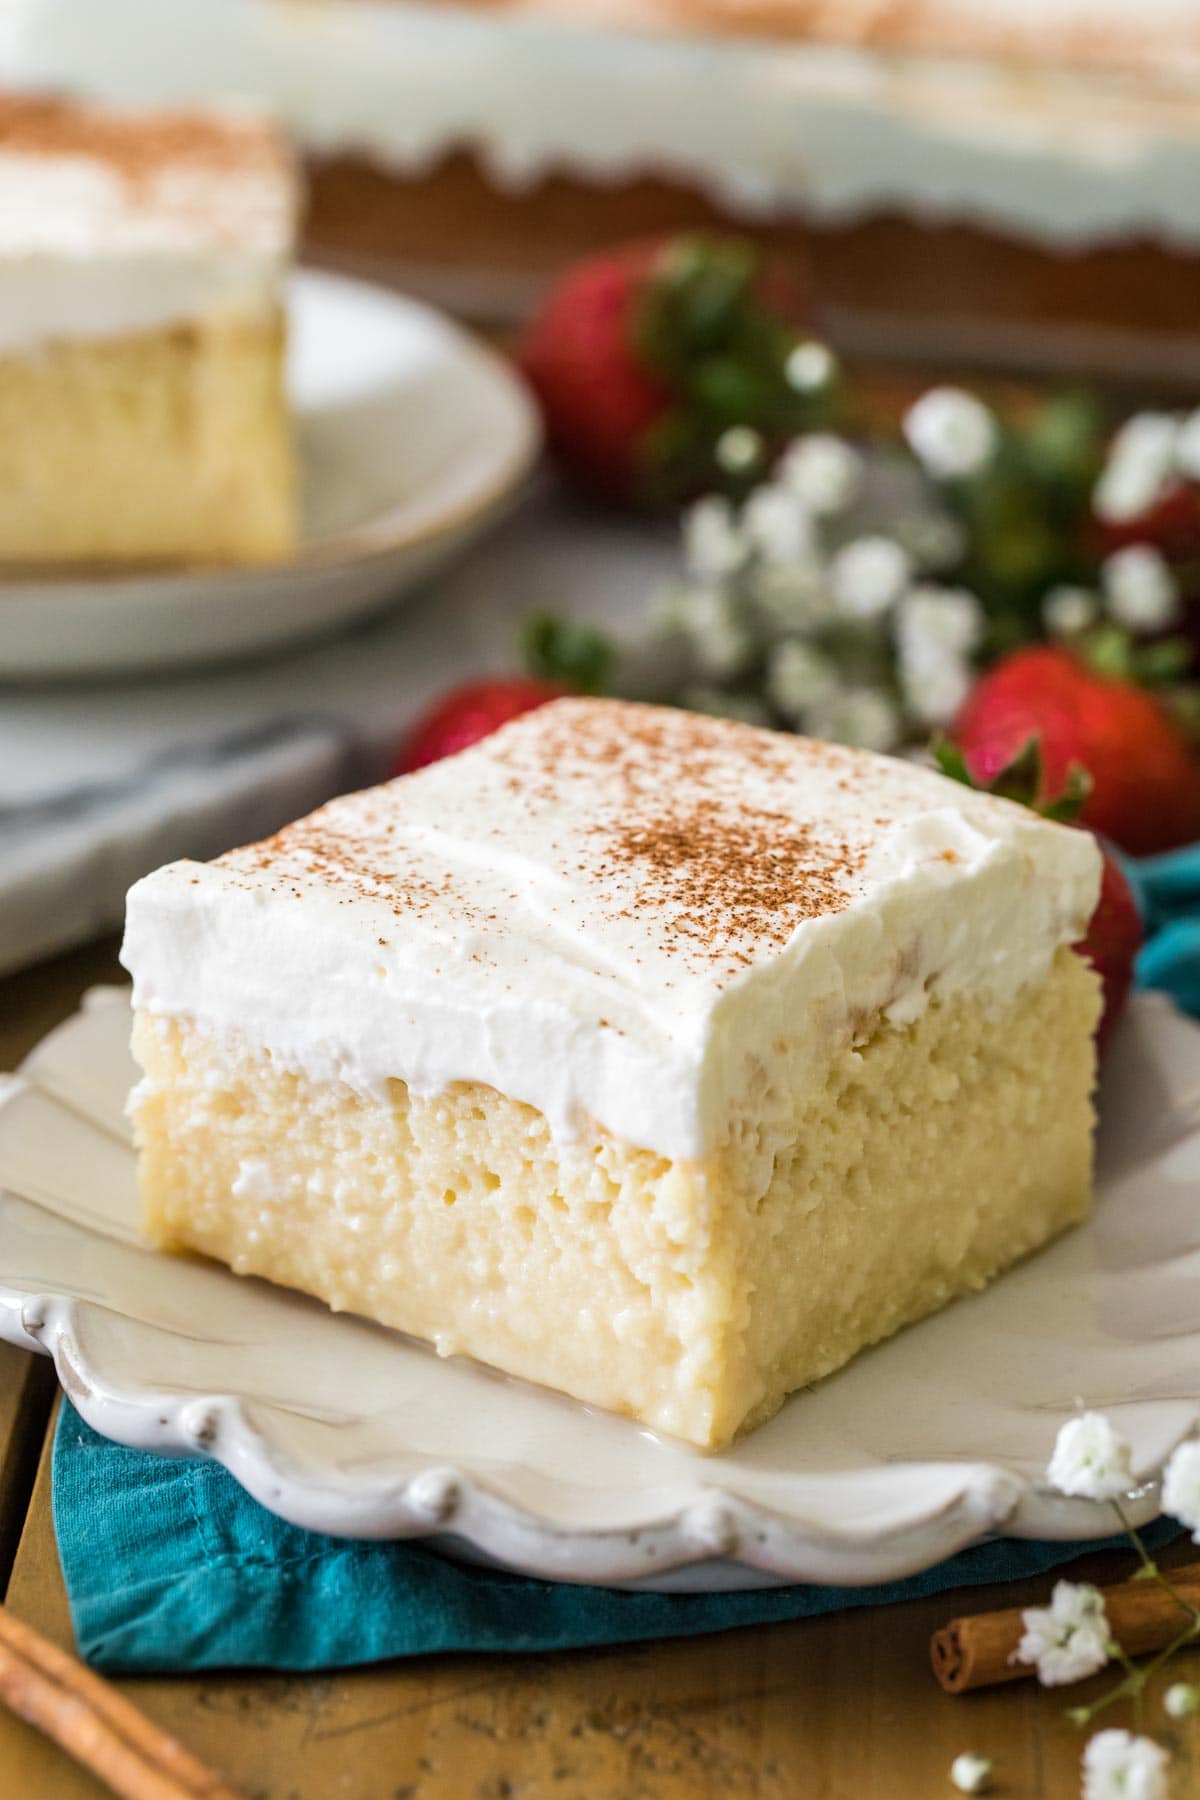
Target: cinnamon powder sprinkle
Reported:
point(137, 145)
point(658, 829)
point(725, 874)
point(757, 876)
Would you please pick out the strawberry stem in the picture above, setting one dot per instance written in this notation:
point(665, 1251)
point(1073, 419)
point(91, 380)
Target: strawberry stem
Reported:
point(1023, 779)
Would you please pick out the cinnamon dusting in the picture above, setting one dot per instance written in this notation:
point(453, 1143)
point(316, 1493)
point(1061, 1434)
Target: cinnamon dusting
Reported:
point(137, 146)
point(688, 830)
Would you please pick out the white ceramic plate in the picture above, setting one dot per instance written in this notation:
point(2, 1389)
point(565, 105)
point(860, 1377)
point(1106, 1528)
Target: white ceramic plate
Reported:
point(920, 1447)
point(411, 437)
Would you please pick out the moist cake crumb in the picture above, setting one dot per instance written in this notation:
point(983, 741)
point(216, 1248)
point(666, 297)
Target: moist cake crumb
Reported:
point(667, 1061)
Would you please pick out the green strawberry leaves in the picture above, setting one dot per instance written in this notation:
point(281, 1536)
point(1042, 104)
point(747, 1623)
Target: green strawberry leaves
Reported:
point(1022, 779)
point(1110, 650)
point(705, 324)
point(568, 650)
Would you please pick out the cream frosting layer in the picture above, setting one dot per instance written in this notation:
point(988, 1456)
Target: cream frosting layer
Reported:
point(115, 223)
point(767, 126)
point(658, 921)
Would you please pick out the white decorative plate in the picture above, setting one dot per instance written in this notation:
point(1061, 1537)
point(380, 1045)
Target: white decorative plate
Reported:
point(922, 1446)
point(411, 436)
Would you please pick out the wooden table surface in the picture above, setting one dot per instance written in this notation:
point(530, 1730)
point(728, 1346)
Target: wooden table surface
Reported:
point(842, 1708)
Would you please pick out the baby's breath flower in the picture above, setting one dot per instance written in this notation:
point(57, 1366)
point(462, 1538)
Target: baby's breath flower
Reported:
point(863, 717)
point(933, 540)
point(712, 544)
point(793, 596)
point(800, 676)
point(1187, 446)
point(1090, 1459)
point(823, 471)
point(951, 433)
point(810, 367)
point(739, 449)
point(777, 523)
point(1119, 1766)
point(934, 686)
point(971, 1774)
point(1181, 1487)
point(944, 618)
point(1140, 465)
point(1139, 588)
point(1181, 1700)
point(1067, 611)
point(868, 576)
point(717, 632)
point(1067, 1640)
point(936, 629)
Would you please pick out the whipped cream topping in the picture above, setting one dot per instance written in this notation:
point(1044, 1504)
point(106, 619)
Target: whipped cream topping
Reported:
point(995, 119)
point(112, 223)
point(612, 912)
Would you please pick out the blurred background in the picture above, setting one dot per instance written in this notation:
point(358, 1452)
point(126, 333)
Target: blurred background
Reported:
point(822, 362)
point(997, 184)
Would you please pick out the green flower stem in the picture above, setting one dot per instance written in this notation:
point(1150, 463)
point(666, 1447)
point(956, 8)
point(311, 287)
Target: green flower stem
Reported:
point(1135, 1682)
point(1151, 1570)
point(1133, 1687)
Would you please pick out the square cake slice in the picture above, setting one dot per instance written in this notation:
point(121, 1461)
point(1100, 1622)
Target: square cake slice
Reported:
point(142, 407)
point(656, 1058)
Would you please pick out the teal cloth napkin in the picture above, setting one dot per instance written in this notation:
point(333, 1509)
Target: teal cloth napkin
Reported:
point(1168, 893)
point(169, 1566)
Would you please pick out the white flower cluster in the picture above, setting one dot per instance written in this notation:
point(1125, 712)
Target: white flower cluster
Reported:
point(1181, 1487)
point(1138, 590)
point(1069, 1639)
point(1119, 1766)
point(1148, 458)
point(971, 1774)
point(1151, 454)
point(951, 433)
point(798, 606)
point(1090, 1460)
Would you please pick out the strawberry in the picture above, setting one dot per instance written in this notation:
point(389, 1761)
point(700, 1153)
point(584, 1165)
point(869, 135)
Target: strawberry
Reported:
point(644, 356)
point(1144, 773)
point(1114, 937)
point(470, 712)
point(1114, 933)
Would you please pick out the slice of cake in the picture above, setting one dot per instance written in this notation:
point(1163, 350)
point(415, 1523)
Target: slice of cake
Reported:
point(657, 1058)
point(142, 406)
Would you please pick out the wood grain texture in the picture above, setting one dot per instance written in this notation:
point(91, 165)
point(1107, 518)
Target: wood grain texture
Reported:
point(843, 1708)
point(26, 1393)
point(96, 1725)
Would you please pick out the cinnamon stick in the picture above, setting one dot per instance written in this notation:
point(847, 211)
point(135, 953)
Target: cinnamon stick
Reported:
point(977, 1651)
point(95, 1724)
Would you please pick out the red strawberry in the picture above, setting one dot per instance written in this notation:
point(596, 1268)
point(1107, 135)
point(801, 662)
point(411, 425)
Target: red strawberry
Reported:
point(599, 399)
point(470, 712)
point(1114, 937)
point(1145, 776)
point(1114, 933)
point(643, 356)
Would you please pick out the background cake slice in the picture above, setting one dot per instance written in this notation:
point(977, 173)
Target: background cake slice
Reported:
point(657, 1058)
point(142, 406)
